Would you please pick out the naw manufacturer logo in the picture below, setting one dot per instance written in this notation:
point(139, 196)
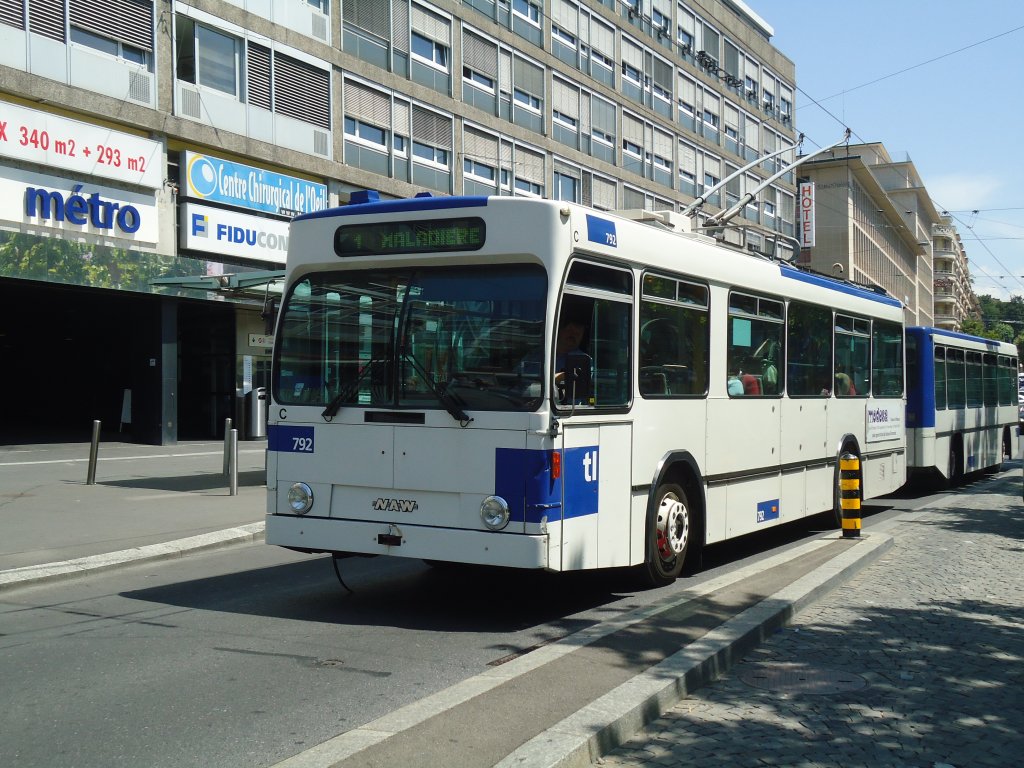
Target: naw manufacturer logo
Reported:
point(395, 505)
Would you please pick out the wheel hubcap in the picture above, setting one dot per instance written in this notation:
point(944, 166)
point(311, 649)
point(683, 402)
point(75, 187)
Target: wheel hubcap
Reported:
point(673, 527)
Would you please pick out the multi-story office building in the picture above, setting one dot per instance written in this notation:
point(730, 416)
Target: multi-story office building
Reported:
point(152, 153)
point(869, 218)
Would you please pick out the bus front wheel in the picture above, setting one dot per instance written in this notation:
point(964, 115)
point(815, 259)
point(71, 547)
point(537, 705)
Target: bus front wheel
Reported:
point(669, 527)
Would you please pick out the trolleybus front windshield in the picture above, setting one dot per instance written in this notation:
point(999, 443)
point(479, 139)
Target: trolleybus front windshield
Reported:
point(461, 337)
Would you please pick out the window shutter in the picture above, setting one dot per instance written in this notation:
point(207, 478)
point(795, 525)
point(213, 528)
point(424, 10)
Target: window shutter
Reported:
point(687, 90)
point(399, 25)
point(529, 165)
point(368, 105)
point(479, 54)
point(46, 18)
point(632, 129)
point(302, 91)
point(565, 15)
point(431, 128)
point(687, 158)
point(430, 24)
point(603, 115)
point(528, 77)
point(371, 15)
point(732, 117)
point(633, 54)
point(602, 38)
point(128, 21)
point(663, 144)
point(565, 98)
point(480, 146)
point(603, 193)
point(258, 75)
point(12, 13)
point(751, 130)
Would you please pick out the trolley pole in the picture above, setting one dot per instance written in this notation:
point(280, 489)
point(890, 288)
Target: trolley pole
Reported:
point(233, 463)
point(849, 487)
point(94, 450)
point(227, 445)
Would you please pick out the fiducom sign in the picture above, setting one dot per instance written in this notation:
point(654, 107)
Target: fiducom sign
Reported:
point(215, 230)
point(82, 209)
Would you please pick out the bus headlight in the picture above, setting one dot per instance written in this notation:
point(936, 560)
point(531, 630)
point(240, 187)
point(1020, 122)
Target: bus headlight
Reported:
point(300, 498)
point(494, 512)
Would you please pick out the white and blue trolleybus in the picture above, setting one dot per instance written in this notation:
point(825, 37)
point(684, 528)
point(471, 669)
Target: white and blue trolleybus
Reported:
point(962, 412)
point(535, 384)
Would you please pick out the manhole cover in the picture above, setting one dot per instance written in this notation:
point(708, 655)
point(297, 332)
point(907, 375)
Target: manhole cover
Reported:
point(800, 678)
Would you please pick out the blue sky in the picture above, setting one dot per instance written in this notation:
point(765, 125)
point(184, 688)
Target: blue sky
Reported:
point(940, 81)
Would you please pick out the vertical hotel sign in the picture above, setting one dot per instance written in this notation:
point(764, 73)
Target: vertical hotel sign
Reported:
point(807, 214)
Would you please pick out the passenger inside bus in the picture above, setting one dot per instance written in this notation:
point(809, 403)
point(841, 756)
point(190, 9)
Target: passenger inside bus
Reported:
point(844, 384)
point(751, 384)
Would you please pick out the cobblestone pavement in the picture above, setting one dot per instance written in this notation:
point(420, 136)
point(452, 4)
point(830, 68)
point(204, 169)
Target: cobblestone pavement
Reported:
point(917, 661)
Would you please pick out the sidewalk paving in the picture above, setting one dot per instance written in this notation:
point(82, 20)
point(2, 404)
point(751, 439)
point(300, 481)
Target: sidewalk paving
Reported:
point(148, 502)
point(917, 661)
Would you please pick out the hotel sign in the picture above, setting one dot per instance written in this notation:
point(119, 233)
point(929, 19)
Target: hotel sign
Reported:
point(807, 214)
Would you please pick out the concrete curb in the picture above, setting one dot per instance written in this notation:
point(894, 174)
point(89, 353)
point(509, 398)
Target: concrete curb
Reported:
point(36, 574)
point(611, 720)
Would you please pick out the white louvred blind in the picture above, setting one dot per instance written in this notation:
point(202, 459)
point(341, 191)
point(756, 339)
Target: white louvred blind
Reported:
point(367, 104)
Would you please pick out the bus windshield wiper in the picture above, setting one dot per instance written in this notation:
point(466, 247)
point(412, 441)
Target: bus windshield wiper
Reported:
point(443, 396)
point(335, 405)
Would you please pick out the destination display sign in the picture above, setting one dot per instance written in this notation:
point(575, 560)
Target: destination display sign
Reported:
point(382, 238)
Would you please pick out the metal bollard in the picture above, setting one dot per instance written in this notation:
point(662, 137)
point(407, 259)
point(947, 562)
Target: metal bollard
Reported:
point(233, 473)
point(227, 444)
point(849, 488)
point(94, 450)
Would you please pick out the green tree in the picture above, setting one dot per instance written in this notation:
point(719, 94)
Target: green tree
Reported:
point(999, 332)
point(973, 326)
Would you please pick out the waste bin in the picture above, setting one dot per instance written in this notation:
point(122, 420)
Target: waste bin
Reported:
point(257, 413)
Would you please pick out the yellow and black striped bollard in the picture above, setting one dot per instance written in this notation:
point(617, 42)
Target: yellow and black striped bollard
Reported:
point(849, 489)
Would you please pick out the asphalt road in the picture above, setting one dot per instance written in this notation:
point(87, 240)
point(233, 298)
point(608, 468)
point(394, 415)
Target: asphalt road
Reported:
point(246, 656)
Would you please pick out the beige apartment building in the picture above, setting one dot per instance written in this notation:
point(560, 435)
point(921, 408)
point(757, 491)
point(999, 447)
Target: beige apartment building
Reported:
point(955, 300)
point(869, 218)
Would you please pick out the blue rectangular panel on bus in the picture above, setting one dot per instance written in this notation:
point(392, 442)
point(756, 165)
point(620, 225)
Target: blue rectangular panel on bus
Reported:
point(289, 439)
point(522, 477)
point(768, 510)
point(601, 231)
point(579, 470)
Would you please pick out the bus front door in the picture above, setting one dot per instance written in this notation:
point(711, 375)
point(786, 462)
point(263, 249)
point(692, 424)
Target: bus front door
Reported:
point(596, 481)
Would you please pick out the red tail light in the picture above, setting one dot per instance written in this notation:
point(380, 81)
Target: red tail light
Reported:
point(556, 465)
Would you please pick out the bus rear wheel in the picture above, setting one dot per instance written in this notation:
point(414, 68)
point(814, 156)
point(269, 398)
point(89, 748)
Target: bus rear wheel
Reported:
point(669, 527)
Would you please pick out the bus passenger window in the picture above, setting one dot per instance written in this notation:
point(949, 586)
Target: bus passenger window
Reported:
point(673, 338)
point(755, 344)
point(809, 365)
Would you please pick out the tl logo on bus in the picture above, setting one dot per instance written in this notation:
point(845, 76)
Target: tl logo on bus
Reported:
point(395, 505)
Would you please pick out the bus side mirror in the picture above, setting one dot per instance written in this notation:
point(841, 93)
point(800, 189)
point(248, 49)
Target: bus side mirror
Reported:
point(269, 316)
point(578, 386)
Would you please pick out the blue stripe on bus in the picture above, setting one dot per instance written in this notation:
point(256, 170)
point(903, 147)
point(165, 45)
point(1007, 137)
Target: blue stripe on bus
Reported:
point(834, 285)
point(399, 206)
point(523, 478)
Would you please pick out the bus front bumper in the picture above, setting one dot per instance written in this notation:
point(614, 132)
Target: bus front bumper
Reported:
point(327, 534)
